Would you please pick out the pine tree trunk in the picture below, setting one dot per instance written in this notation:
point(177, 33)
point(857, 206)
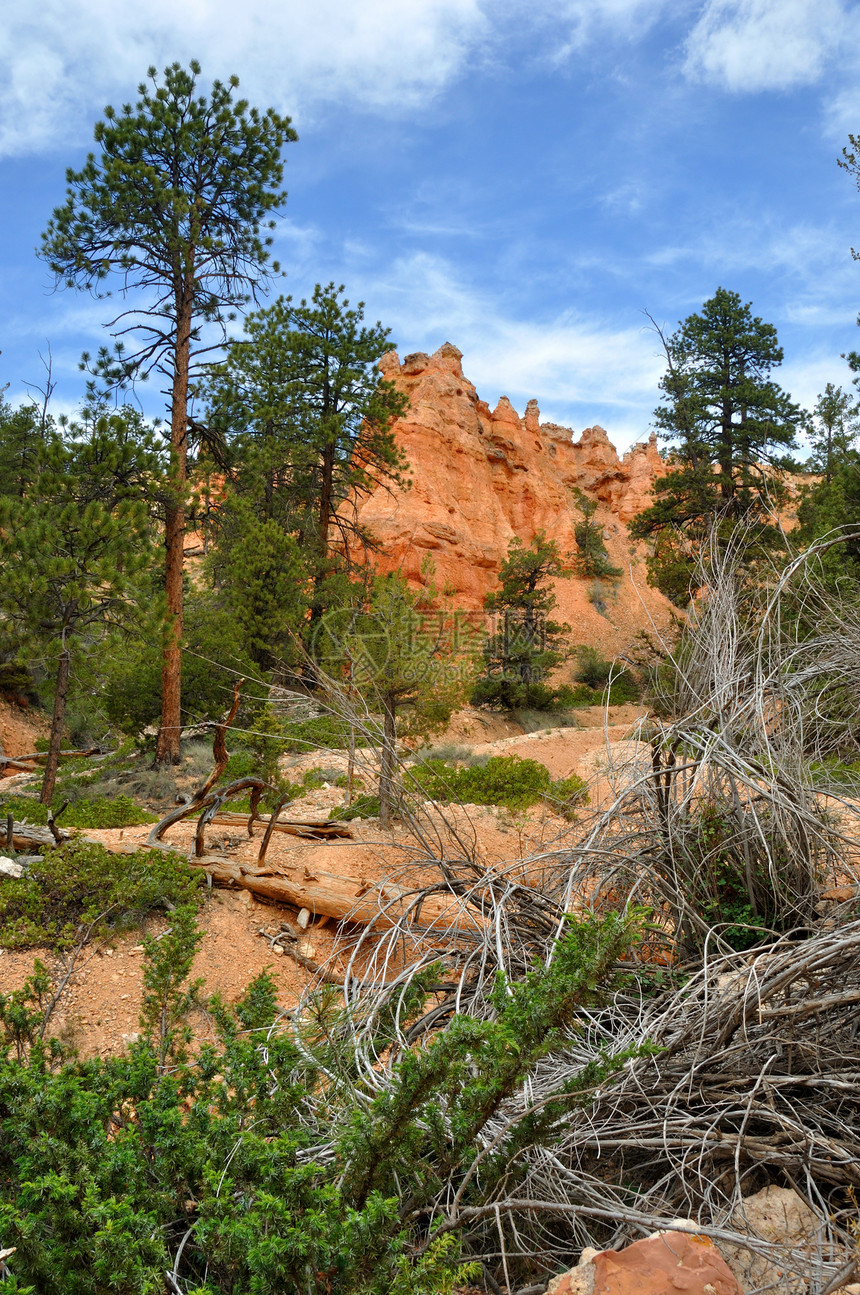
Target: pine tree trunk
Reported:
point(57, 721)
point(167, 745)
point(388, 761)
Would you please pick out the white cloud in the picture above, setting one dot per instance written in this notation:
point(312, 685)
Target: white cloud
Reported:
point(581, 367)
point(576, 22)
point(806, 379)
point(749, 45)
point(62, 60)
point(807, 264)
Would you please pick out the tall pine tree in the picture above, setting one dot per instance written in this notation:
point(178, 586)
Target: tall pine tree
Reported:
point(174, 205)
point(729, 425)
point(307, 421)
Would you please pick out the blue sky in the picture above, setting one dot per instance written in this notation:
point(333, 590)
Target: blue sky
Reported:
point(522, 179)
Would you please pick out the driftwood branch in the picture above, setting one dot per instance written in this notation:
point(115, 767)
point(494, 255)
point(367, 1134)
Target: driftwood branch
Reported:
point(219, 745)
point(197, 804)
point(322, 892)
point(27, 835)
point(34, 757)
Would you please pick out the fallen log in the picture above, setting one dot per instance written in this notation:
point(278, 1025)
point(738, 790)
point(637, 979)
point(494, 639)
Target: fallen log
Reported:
point(35, 756)
point(25, 835)
point(322, 893)
point(328, 830)
point(325, 894)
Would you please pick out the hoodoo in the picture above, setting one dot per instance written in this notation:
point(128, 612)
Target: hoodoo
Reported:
point(481, 476)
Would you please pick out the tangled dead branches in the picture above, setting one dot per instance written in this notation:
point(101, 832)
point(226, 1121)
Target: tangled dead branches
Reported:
point(725, 824)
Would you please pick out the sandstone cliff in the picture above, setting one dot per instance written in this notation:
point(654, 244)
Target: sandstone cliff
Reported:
point(482, 476)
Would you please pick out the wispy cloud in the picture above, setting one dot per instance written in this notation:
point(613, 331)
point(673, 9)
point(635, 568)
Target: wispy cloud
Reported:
point(809, 260)
point(60, 61)
point(581, 367)
point(576, 22)
point(805, 379)
point(750, 45)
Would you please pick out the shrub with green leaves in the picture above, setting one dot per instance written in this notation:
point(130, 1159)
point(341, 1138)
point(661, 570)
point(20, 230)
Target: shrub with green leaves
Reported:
point(270, 1161)
point(505, 780)
point(316, 734)
point(82, 888)
point(364, 806)
point(594, 675)
point(101, 811)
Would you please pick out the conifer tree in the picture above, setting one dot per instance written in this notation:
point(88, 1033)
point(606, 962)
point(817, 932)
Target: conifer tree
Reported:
point(833, 429)
point(403, 651)
point(307, 419)
point(22, 439)
point(834, 500)
point(729, 425)
point(73, 552)
point(524, 645)
point(174, 205)
point(592, 558)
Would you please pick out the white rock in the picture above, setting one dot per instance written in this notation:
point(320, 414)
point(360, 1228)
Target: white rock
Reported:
point(778, 1215)
point(9, 868)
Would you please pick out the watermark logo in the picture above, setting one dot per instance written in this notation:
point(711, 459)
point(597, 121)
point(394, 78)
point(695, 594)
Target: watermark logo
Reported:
point(416, 646)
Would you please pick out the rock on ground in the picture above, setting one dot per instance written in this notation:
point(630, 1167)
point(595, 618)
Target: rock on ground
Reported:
point(662, 1264)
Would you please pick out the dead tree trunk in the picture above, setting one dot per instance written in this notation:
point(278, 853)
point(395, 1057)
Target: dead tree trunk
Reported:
point(388, 760)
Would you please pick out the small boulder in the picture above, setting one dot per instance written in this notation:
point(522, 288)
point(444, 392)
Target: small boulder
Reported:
point(662, 1264)
point(778, 1215)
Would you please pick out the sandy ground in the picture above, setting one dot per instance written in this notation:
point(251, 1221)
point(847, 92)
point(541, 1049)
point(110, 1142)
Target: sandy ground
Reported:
point(19, 728)
point(99, 1009)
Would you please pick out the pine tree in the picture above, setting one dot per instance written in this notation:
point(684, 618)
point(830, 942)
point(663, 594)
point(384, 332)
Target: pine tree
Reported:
point(525, 645)
point(22, 440)
point(174, 205)
point(729, 426)
point(592, 558)
point(307, 419)
point(834, 500)
point(402, 650)
point(832, 429)
point(73, 552)
point(261, 578)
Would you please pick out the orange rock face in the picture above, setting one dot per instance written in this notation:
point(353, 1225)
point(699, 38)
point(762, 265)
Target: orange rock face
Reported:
point(482, 476)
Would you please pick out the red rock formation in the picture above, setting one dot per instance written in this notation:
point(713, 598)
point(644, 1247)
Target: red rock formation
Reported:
point(481, 476)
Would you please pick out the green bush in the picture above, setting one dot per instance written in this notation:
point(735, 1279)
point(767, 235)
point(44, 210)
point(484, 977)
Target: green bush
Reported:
point(15, 680)
point(504, 780)
point(261, 1170)
point(507, 692)
point(592, 669)
point(593, 673)
point(623, 691)
point(102, 811)
point(24, 809)
point(81, 884)
point(116, 811)
point(364, 806)
point(314, 734)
